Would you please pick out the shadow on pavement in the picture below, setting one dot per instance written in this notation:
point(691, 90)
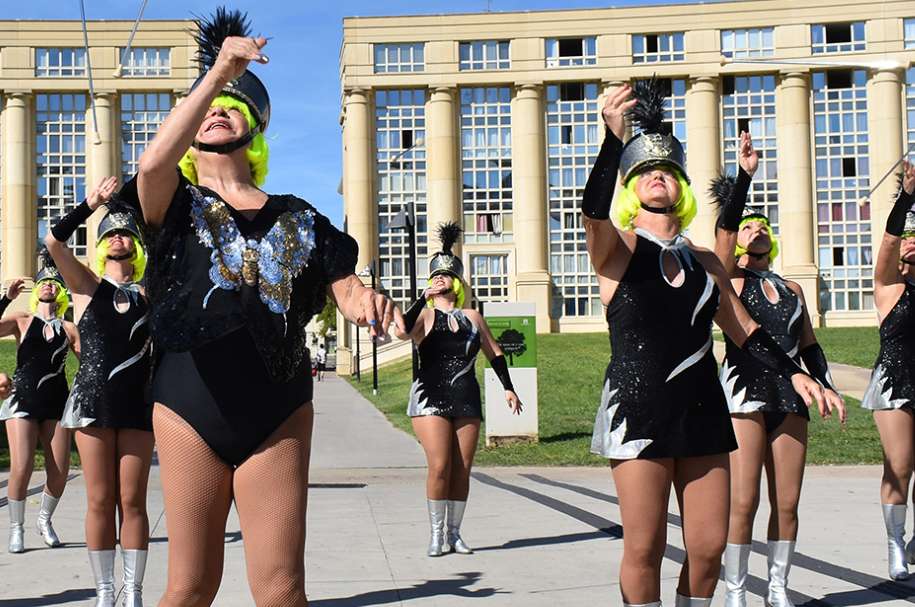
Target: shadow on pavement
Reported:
point(67, 596)
point(614, 532)
point(452, 586)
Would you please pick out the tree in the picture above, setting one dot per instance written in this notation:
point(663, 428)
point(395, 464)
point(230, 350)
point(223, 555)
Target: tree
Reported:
point(512, 343)
point(327, 319)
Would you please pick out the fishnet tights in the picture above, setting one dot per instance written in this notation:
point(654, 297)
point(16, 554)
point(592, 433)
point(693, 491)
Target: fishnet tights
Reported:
point(270, 489)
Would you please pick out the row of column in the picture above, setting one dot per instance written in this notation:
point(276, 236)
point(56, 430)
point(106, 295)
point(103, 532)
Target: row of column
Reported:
point(19, 201)
point(797, 205)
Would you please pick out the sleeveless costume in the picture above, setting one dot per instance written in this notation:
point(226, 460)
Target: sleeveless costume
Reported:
point(230, 299)
point(447, 384)
point(39, 383)
point(749, 385)
point(892, 384)
point(660, 397)
point(110, 388)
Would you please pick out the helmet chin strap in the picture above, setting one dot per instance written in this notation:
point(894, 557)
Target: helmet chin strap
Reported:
point(122, 257)
point(759, 256)
point(228, 148)
point(659, 210)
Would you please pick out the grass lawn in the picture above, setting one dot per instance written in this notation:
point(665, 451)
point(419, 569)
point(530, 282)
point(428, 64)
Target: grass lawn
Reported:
point(856, 346)
point(571, 374)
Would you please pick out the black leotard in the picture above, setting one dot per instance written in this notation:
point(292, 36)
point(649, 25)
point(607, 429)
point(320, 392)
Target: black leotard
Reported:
point(892, 384)
point(234, 362)
point(661, 396)
point(110, 387)
point(39, 383)
point(447, 384)
point(748, 385)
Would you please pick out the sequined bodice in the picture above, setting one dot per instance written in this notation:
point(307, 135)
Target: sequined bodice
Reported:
point(897, 331)
point(37, 357)
point(782, 318)
point(446, 354)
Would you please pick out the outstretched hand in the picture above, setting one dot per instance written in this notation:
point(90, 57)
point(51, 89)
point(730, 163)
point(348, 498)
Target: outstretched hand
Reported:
point(236, 53)
point(15, 288)
point(618, 103)
point(833, 402)
point(514, 403)
point(747, 155)
point(810, 391)
point(102, 192)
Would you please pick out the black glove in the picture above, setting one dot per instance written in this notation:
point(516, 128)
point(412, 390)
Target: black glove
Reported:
point(5, 302)
point(599, 190)
point(763, 348)
point(66, 225)
point(815, 361)
point(412, 314)
point(895, 222)
point(733, 211)
point(501, 368)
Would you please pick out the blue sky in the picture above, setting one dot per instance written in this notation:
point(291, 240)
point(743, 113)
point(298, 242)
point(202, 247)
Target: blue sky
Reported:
point(302, 77)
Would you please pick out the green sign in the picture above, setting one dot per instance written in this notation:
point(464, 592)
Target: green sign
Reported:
point(517, 336)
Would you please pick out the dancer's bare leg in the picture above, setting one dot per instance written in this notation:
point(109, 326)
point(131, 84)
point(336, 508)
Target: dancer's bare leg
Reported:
point(436, 434)
point(897, 435)
point(785, 474)
point(55, 442)
point(463, 449)
point(135, 449)
point(271, 495)
point(22, 435)
point(746, 472)
point(98, 456)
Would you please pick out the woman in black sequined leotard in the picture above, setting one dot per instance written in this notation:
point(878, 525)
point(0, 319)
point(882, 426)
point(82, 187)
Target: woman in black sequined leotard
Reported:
point(108, 405)
point(891, 392)
point(234, 277)
point(39, 391)
point(769, 418)
point(663, 419)
point(445, 396)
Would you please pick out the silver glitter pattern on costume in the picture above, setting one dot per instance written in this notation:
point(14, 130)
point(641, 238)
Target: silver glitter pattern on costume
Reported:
point(892, 383)
point(39, 383)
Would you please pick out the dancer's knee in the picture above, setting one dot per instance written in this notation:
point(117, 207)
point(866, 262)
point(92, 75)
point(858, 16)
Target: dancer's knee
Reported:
point(282, 587)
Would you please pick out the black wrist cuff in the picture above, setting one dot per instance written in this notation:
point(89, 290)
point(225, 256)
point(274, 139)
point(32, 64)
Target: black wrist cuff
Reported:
point(598, 194)
point(763, 348)
point(501, 368)
point(895, 221)
point(733, 211)
point(815, 360)
point(5, 302)
point(66, 225)
point(412, 314)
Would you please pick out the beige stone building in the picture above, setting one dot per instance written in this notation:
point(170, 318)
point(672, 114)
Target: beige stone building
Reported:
point(492, 120)
point(57, 140)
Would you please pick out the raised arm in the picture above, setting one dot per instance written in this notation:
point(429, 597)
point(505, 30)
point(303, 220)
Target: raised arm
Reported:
point(732, 210)
point(157, 178)
point(886, 270)
point(361, 305)
point(601, 234)
point(80, 279)
point(12, 292)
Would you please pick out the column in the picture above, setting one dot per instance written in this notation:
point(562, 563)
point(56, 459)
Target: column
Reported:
point(443, 170)
point(885, 137)
point(19, 209)
point(703, 156)
point(102, 153)
point(796, 204)
point(530, 202)
point(358, 177)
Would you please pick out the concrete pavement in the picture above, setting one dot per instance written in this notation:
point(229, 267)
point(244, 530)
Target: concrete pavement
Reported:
point(543, 536)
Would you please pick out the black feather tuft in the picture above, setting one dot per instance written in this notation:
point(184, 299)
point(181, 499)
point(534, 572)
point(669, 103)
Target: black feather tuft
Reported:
point(213, 30)
point(44, 258)
point(648, 112)
point(448, 234)
point(721, 189)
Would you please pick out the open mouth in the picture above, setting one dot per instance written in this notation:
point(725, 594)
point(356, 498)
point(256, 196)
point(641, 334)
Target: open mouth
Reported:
point(218, 124)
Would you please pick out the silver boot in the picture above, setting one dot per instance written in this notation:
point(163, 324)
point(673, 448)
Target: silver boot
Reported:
point(780, 555)
point(894, 518)
point(102, 563)
point(910, 551)
point(134, 569)
point(455, 516)
point(438, 544)
point(17, 521)
point(688, 601)
point(43, 522)
point(736, 557)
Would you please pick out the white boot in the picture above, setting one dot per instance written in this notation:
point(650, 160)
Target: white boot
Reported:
point(780, 555)
point(17, 520)
point(102, 563)
point(687, 601)
point(894, 518)
point(438, 543)
point(453, 537)
point(43, 522)
point(736, 557)
point(134, 569)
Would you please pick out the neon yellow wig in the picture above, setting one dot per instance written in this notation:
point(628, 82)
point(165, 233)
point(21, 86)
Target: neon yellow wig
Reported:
point(138, 261)
point(457, 286)
point(62, 300)
point(628, 204)
point(257, 153)
point(739, 251)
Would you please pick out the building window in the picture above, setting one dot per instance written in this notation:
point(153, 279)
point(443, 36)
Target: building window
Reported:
point(837, 37)
point(908, 26)
point(574, 127)
point(910, 107)
point(60, 161)
point(484, 55)
point(391, 58)
point(675, 107)
point(146, 61)
point(569, 52)
point(656, 48)
point(748, 104)
point(486, 164)
point(489, 277)
point(141, 115)
point(747, 43)
point(60, 62)
point(400, 127)
point(842, 180)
